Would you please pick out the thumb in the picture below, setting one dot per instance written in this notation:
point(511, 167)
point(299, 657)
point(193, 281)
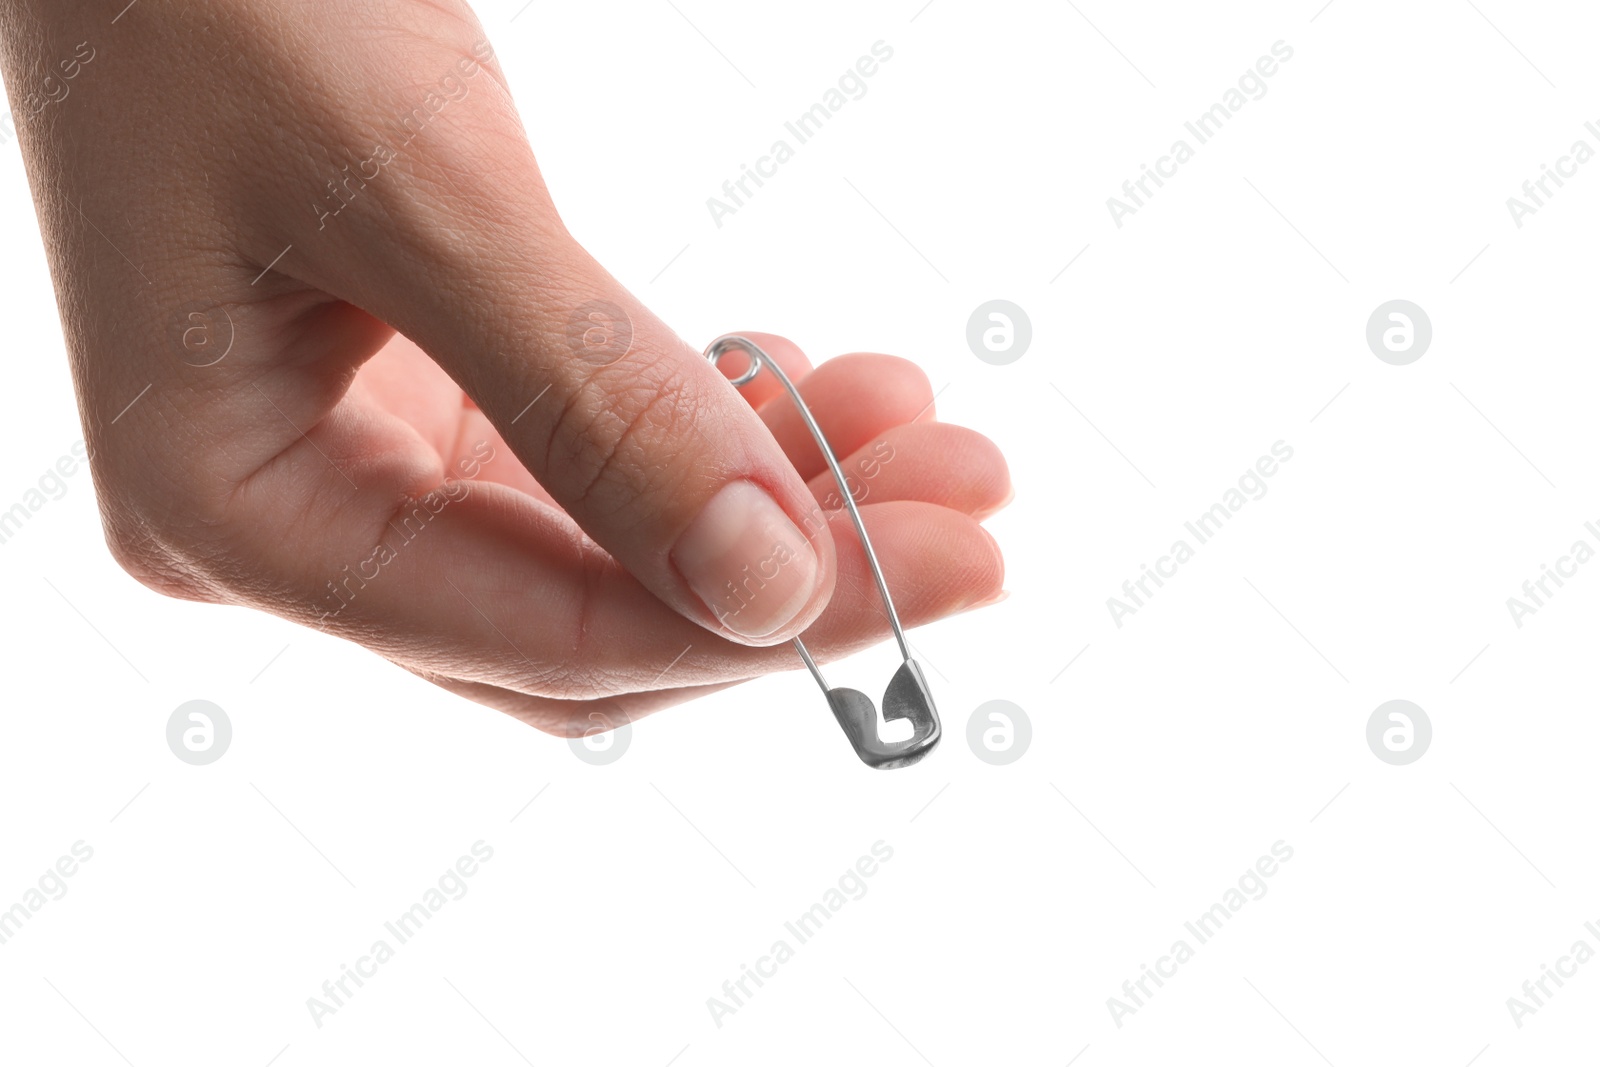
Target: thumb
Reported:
point(643, 442)
point(660, 460)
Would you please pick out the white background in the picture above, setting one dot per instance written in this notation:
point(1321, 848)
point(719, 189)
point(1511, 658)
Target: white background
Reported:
point(1226, 715)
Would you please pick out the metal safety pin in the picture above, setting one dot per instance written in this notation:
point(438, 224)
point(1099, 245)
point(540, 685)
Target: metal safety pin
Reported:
point(907, 696)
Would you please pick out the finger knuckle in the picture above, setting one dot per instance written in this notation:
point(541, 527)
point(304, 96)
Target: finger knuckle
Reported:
point(609, 439)
point(149, 558)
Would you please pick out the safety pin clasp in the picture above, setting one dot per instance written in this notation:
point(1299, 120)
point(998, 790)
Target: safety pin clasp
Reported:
point(907, 696)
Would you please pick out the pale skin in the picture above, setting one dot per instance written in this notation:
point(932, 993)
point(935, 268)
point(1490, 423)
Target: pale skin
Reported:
point(421, 326)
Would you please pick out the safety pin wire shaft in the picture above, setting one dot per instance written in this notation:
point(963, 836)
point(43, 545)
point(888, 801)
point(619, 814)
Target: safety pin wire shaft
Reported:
point(762, 359)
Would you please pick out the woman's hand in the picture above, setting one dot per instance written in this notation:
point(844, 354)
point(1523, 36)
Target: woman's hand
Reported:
point(338, 358)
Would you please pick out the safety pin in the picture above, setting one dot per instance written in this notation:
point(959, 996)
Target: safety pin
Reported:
point(907, 696)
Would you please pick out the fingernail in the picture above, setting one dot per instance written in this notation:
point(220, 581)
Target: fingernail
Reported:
point(747, 561)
